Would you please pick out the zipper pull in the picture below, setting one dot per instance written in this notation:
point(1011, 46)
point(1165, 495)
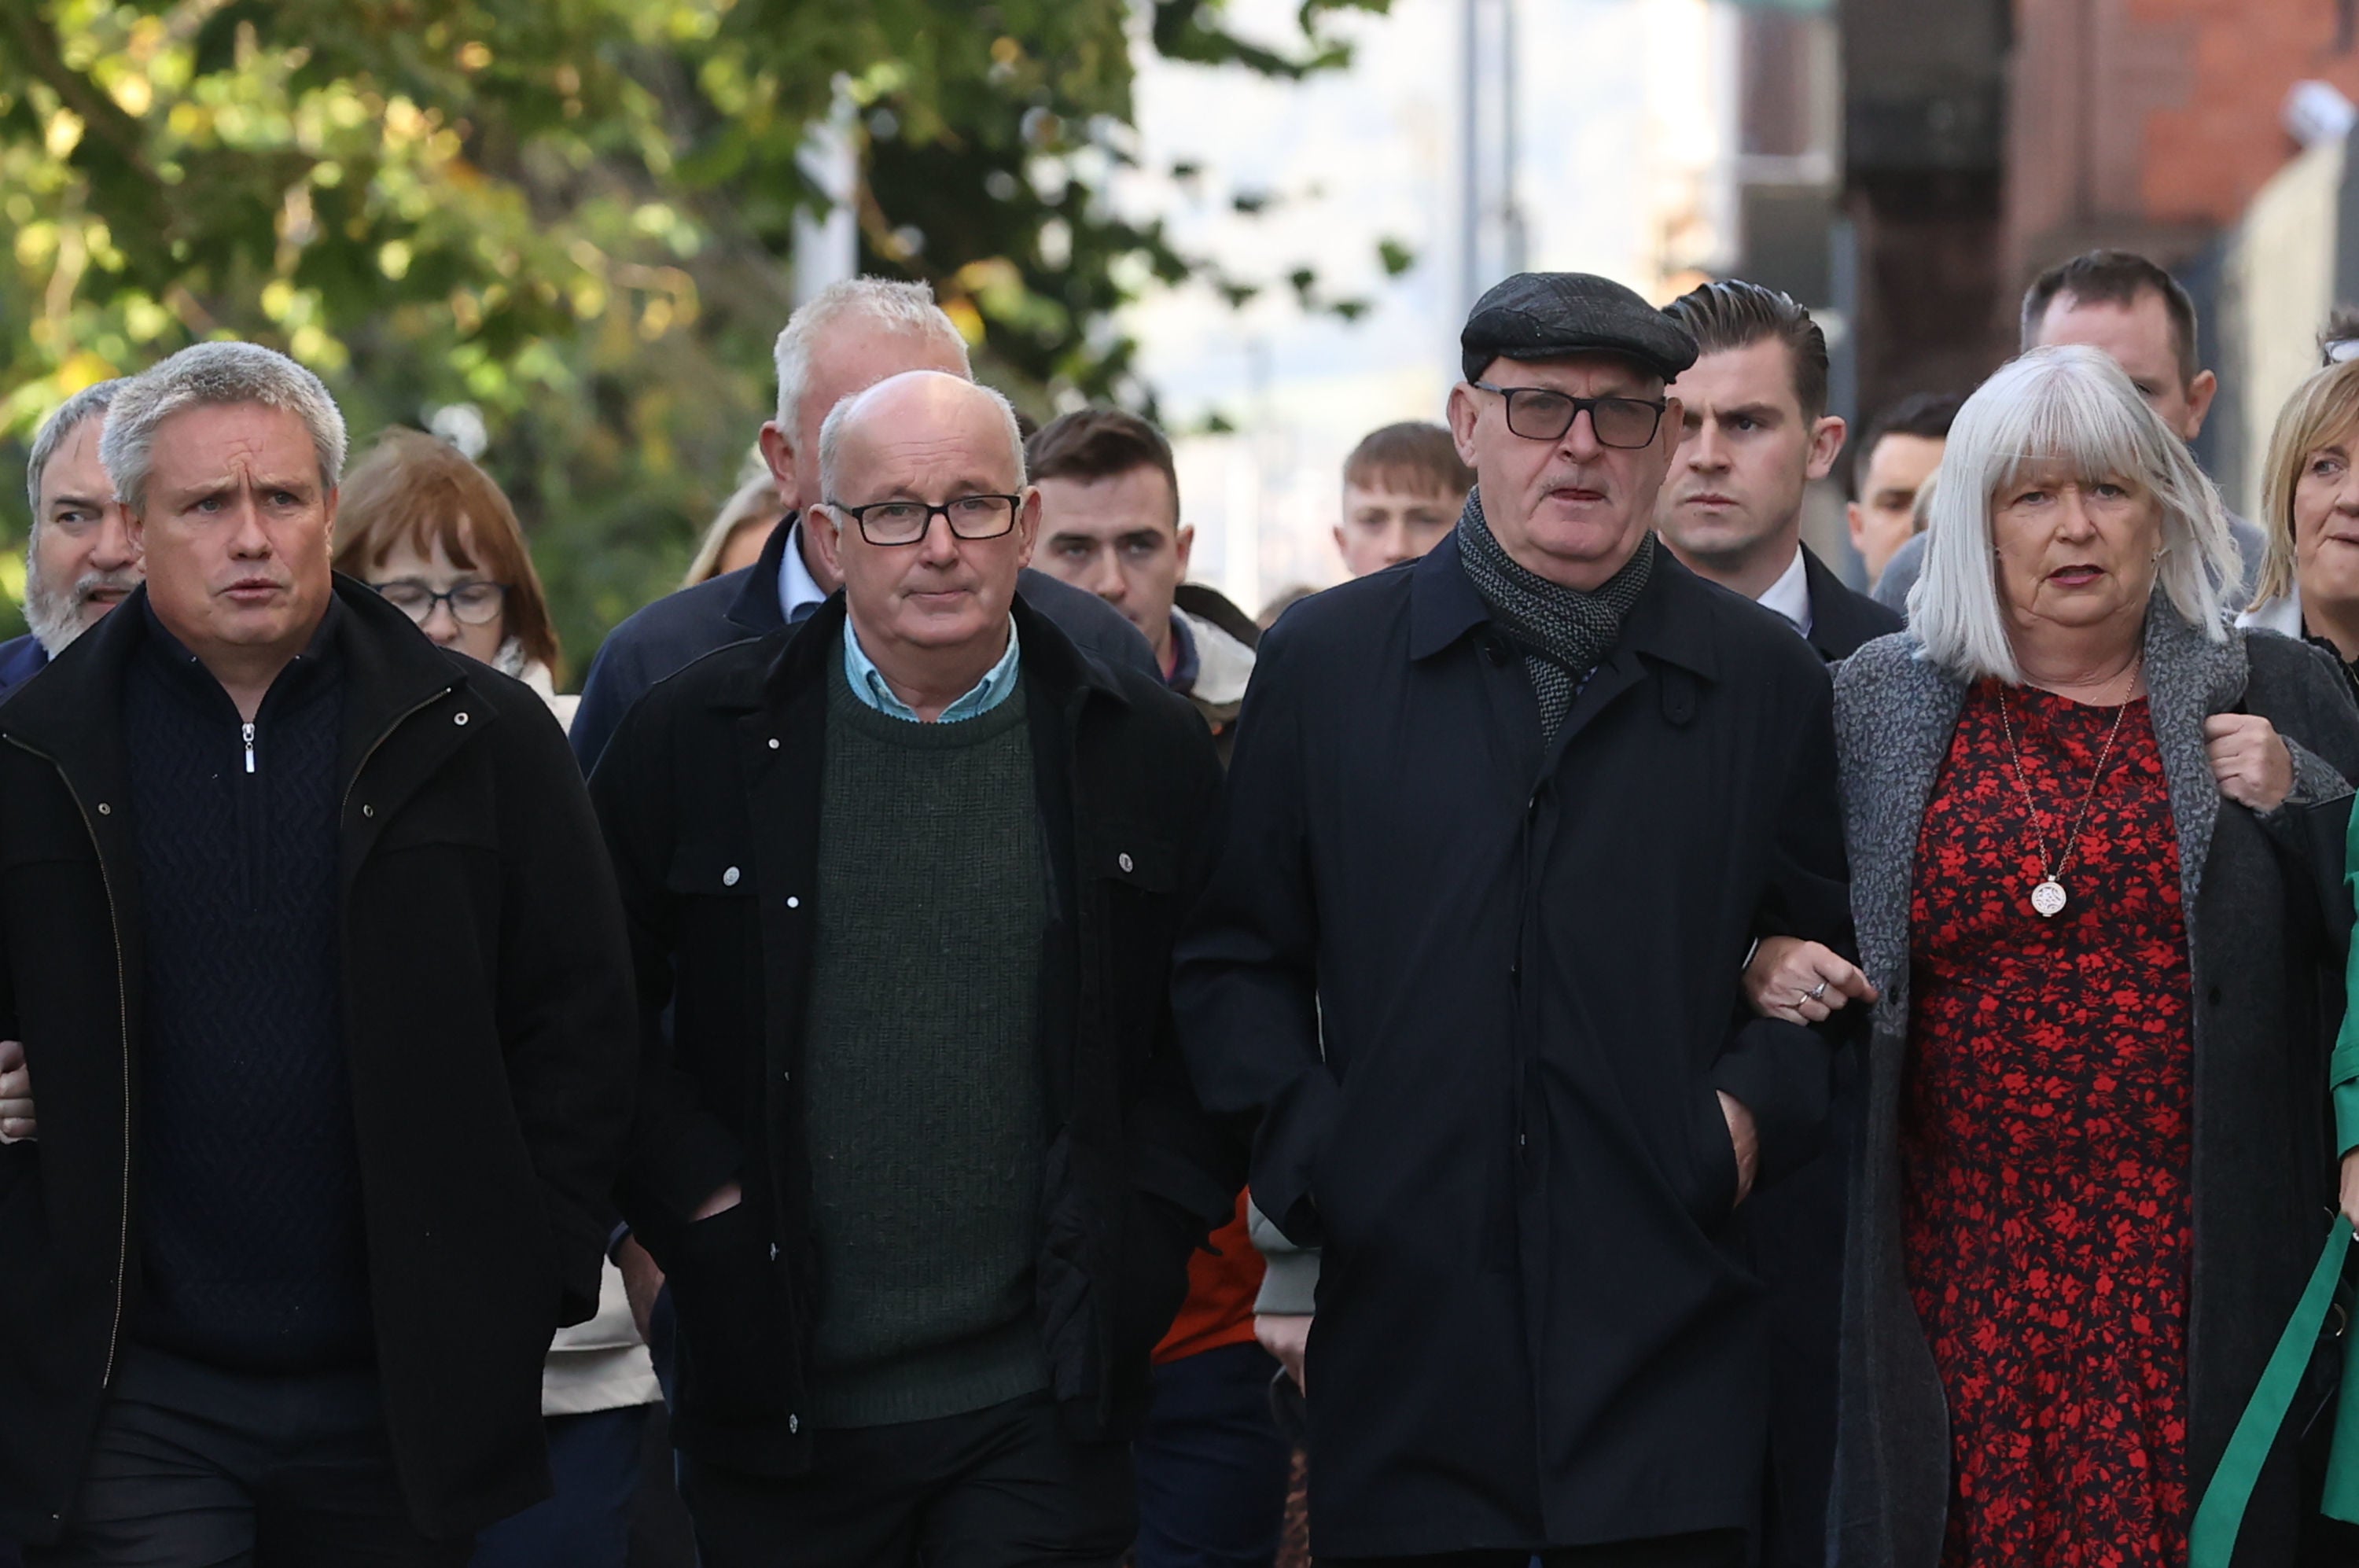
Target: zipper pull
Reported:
point(249, 748)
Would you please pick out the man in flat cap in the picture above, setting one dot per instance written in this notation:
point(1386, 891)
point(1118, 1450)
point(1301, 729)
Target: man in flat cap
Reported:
point(1485, 1022)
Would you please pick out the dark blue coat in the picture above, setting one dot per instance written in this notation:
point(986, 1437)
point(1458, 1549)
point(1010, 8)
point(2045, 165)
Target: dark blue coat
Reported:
point(667, 636)
point(1478, 1000)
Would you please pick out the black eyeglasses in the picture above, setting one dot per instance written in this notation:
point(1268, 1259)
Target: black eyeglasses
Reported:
point(473, 604)
point(1535, 413)
point(906, 522)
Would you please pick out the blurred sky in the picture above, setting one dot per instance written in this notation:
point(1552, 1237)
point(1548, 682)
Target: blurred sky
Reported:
point(1625, 114)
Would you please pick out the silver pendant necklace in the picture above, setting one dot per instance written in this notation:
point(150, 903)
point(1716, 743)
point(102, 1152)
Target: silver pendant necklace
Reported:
point(2049, 897)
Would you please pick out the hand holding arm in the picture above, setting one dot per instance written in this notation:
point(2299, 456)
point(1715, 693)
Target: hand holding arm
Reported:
point(2249, 759)
point(1802, 982)
point(17, 1123)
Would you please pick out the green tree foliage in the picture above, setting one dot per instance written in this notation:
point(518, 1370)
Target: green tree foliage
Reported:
point(576, 217)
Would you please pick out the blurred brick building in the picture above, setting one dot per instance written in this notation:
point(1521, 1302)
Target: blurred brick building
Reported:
point(1984, 139)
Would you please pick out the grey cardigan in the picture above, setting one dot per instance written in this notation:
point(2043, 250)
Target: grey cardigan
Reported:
point(2267, 918)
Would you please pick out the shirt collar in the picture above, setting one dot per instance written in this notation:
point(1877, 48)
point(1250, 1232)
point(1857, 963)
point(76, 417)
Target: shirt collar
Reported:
point(797, 587)
point(1790, 594)
point(868, 683)
point(1187, 663)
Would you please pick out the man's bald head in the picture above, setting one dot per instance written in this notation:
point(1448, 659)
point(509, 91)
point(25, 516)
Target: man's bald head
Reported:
point(919, 408)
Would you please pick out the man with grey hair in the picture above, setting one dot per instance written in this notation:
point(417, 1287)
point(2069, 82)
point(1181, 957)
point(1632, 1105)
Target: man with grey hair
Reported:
point(850, 335)
point(319, 974)
point(913, 869)
point(79, 561)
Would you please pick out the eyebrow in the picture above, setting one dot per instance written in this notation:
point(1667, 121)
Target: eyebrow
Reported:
point(1758, 413)
point(89, 502)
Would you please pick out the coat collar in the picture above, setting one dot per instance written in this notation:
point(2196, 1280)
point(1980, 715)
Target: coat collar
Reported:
point(1895, 715)
point(1841, 620)
point(1672, 622)
point(756, 608)
point(795, 659)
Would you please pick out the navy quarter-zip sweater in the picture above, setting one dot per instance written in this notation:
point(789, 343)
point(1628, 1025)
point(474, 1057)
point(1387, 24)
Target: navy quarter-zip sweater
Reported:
point(249, 1223)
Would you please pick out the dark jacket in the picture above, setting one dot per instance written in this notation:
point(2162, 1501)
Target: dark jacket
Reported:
point(2266, 919)
point(1841, 619)
point(1534, 1327)
point(485, 1007)
point(711, 799)
point(667, 636)
point(21, 658)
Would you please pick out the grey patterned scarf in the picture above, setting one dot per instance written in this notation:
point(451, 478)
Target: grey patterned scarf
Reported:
point(1561, 631)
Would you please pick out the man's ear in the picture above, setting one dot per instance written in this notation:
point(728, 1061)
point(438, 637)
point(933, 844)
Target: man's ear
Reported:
point(1853, 521)
point(824, 529)
point(1183, 540)
point(780, 458)
point(1826, 445)
point(1463, 410)
point(2200, 392)
point(1027, 523)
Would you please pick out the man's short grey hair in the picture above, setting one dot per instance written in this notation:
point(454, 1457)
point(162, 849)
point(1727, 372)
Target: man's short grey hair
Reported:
point(90, 403)
point(2075, 409)
point(882, 303)
point(208, 375)
point(830, 433)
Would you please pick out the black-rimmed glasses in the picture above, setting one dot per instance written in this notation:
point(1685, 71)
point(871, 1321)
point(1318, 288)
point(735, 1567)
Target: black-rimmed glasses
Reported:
point(906, 522)
point(1537, 413)
point(473, 604)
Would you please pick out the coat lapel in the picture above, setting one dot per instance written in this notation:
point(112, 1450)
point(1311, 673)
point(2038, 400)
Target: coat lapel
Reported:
point(1894, 716)
point(2188, 679)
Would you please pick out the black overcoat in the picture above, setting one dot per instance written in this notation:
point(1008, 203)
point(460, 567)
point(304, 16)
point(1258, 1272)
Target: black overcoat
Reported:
point(2266, 920)
point(1534, 1324)
point(709, 796)
point(486, 1001)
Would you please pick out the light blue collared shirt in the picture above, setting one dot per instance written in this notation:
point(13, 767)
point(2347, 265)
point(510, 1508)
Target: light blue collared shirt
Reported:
point(868, 684)
point(797, 587)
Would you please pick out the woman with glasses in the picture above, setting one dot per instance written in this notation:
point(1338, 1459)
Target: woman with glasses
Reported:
point(2096, 855)
point(430, 531)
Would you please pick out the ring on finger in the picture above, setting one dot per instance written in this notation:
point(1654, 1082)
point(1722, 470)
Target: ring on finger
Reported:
point(1818, 991)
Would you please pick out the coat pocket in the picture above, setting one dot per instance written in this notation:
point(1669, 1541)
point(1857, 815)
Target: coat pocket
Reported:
point(1710, 1195)
point(736, 1334)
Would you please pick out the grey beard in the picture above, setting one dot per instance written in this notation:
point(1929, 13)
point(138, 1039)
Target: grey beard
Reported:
point(51, 618)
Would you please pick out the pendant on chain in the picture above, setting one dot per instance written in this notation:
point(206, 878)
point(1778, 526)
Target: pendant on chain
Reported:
point(2048, 898)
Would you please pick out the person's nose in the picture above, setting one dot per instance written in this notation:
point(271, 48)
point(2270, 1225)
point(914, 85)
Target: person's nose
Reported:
point(938, 546)
point(1703, 452)
point(249, 540)
point(1580, 440)
point(112, 550)
point(1106, 578)
point(440, 623)
point(2072, 521)
point(1394, 542)
point(2346, 499)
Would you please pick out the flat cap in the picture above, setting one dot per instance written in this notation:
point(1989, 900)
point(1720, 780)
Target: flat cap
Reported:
point(1540, 315)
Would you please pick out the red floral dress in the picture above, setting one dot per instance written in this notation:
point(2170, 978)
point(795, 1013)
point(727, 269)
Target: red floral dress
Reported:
point(2046, 1145)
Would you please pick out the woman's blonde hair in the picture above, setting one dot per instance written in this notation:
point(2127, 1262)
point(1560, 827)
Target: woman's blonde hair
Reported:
point(2322, 410)
point(757, 501)
point(2073, 408)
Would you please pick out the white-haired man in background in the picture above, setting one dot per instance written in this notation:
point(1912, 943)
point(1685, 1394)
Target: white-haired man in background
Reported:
point(78, 558)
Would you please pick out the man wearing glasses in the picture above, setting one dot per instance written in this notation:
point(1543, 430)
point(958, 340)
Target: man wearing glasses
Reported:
point(1486, 1019)
point(917, 1152)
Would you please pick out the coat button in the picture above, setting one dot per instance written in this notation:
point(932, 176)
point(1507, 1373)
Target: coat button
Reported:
point(794, 1425)
point(459, 717)
point(368, 810)
point(774, 1252)
point(793, 903)
point(105, 809)
point(1123, 861)
point(774, 743)
point(729, 877)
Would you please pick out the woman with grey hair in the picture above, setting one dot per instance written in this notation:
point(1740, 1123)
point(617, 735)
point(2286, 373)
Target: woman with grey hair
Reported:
point(2095, 839)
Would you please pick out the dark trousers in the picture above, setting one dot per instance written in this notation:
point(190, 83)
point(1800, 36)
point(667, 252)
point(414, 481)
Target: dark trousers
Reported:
point(192, 1465)
point(1002, 1487)
point(595, 1461)
point(1212, 1466)
point(1706, 1549)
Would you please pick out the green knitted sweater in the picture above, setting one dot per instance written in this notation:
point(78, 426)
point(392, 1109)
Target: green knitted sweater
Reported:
point(926, 1113)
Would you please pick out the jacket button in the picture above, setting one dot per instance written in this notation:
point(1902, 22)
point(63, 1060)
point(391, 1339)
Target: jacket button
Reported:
point(459, 717)
point(793, 1425)
point(774, 1252)
point(105, 809)
point(774, 743)
point(1123, 861)
point(368, 810)
point(793, 903)
point(729, 877)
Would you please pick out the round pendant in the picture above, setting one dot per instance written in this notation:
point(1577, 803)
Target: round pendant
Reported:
point(2048, 898)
